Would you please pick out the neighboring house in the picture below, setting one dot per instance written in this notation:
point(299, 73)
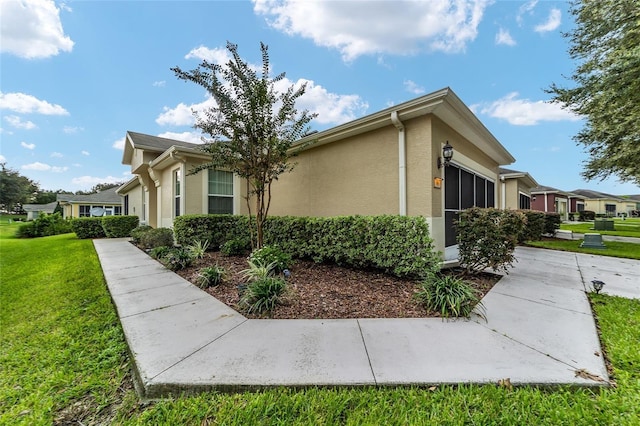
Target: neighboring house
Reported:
point(515, 189)
point(553, 200)
point(606, 204)
point(389, 162)
point(103, 203)
point(35, 210)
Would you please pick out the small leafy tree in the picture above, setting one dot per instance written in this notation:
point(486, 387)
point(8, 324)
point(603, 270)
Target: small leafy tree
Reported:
point(487, 238)
point(253, 126)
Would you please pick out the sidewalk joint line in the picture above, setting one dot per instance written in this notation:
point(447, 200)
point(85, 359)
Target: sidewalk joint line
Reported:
point(366, 351)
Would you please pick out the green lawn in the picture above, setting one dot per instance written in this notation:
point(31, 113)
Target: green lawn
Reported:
point(623, 228)
point(614, 248)
point(63, 359)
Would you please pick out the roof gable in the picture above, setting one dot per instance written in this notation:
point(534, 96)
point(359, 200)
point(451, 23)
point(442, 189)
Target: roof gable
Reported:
point(108, 196)
point(148, 143)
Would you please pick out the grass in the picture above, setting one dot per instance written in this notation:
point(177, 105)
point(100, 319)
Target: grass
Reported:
point(63, 358)
point(614, 248)
point(623, 228)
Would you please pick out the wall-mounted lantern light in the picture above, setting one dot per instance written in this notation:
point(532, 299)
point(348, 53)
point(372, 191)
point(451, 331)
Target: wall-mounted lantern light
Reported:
point(447, 154)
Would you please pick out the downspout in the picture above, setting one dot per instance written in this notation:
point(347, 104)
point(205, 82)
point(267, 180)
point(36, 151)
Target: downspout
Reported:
point(546, 204)
point(503, 194)
point(402, 164)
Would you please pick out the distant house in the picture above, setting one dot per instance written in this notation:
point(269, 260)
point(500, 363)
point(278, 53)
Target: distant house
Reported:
point(552, 200)
point(35, 210)
point(104, 203)
point(388, 162)
point(516, 189)
point(607, 204)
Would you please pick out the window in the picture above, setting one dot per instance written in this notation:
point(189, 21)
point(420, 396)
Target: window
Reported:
point(85, 211)
point(177, 180)
point(610, 209)
point(525, 202)
point(126, 204)
point(117, 210)
point(144, 205)
point(220, 192)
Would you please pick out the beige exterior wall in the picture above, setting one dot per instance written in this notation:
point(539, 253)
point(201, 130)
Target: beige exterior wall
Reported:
point(136, 203)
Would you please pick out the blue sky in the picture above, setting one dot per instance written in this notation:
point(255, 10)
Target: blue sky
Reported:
point(76, 75)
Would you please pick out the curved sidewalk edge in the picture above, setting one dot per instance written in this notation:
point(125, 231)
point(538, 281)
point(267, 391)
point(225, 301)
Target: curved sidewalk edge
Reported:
point(539, 331)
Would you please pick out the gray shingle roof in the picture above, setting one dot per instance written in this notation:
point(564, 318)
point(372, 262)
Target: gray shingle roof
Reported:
point(587, 193)
point(46, 208)
point(156, 143)
point(108, 196)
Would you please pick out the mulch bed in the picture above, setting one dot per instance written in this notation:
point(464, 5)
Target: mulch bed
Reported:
point(331, 291)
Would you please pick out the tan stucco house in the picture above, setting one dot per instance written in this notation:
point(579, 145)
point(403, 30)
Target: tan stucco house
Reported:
point(515, 189)
point(388, 162)
point(606, 204)
point(103, 203)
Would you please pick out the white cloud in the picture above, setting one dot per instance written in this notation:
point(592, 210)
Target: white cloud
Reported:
point(331, 108)
point(3, 159)
point(42, 167)
point(526, 8)
point(56, 155)
point(17, 122)
point(413, 87)
point(159, 83)
point(72, 129)
point(401, 28)
point(553, 22)
point(90, 181)
point(119, 144)
point(217, 55)
point(34, 30)
point(28, 145)
point(504, 37)
point(192, 137)
point(26, 104)
point(524, 112)
point(85, 153)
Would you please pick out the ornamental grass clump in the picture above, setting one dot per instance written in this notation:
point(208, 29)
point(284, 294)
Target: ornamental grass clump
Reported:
point(211, 276)
point(262, 295)
point(448, 295)
point(198, 249)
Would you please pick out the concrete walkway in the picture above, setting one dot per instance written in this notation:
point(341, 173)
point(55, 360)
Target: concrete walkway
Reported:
point(539, 330)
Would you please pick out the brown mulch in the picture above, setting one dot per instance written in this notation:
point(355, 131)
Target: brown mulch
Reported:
point(330, 291)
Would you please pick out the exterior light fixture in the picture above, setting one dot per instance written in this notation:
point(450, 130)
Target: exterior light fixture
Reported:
point(597, 285)
point(447, 154)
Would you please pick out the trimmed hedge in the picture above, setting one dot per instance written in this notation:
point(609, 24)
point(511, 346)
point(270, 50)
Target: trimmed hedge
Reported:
point(398, 245)
point(534, 227)
point(552, 223)
point(44, 226)
point(88, 227)
point(119, 226)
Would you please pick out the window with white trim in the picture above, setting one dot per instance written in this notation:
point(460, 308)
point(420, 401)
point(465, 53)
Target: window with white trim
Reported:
point(220, 192)
point(85, 211)
point(177, 183)
point(525, 202)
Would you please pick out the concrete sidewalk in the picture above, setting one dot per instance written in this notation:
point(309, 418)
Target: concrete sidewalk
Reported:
point(539, 330)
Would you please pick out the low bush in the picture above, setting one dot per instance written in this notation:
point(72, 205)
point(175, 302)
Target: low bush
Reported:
point(215, 229)
point(156, 237)
point(262, 295)
point(211, 276)
point(137, 233)
point(88, 227)
point(272, 255)
point(487, 238)
point(177, 258)
point(534, 226)
point(44, 225)
point(586, 215)
point(119, 226)
point(448, 295)
point(236, 247)
point(159, 252)
point(552, 223)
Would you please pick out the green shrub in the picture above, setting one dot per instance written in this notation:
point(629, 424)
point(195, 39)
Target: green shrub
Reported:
point(156, 237)
point(137, 233)
point(534, 227)
point(236, 247)
point(43, 226)
point(272, 255)
point(119, 226)
point(26, 230)
point(160, 252)
point(487, 238)
point(198, 249)
point(211, 276)
point(88, 227)
point(262, 295)
point(258, 270)
point(216, 229)
point(552, 223)
point(448, 295)
point(586, 215)
point(177, 258)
